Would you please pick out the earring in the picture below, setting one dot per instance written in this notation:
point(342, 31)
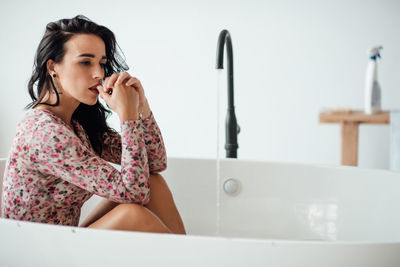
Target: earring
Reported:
point(54, 75)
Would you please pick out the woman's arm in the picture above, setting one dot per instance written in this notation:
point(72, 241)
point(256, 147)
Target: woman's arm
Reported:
point(152, 135)
point(99, 211)
point(65, 156)
point(155, 148)
point(156, 154)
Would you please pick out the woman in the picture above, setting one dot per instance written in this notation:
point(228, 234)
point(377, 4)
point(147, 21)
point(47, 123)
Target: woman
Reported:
point(59, 155)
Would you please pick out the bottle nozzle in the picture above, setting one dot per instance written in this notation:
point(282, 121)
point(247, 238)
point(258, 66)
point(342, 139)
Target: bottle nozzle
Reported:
point(374, 52)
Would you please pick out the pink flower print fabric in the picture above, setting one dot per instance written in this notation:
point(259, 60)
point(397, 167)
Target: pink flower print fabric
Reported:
point(52, 168)
point(154, 146)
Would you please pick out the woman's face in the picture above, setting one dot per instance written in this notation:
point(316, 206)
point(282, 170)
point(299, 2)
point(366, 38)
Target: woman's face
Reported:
point(81, 68)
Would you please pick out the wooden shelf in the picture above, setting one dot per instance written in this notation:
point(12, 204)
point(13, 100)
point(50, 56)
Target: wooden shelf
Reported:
point(349, 121)
point(358, 116)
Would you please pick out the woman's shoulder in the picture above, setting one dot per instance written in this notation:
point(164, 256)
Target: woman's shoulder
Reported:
point(39, 117)
point(43, 121)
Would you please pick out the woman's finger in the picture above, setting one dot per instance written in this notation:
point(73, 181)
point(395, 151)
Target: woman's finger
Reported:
point(123, 77)
point(134, 82)
point(109, 83)
point(102, 94)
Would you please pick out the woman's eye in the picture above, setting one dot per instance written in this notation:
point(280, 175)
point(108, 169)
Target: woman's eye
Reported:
point(87, 63)
point(103, 65)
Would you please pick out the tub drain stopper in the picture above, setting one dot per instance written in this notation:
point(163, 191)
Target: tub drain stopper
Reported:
point(231, 186)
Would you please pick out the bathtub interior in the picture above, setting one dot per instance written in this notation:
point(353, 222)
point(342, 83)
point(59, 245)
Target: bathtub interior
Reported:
point(282, 200)
point(285, 200)
point(193, 185)
point(310, 202)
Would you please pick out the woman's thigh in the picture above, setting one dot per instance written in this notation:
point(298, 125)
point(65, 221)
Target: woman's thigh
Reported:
point(131, 217)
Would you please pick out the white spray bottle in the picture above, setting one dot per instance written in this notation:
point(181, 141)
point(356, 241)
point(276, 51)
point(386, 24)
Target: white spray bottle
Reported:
point(372, 87)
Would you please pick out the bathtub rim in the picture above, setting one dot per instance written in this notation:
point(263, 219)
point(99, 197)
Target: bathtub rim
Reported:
point(288, 163)
point(274, 162)
point(266, 241)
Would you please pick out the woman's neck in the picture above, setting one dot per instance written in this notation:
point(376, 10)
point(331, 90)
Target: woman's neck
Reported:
point(64, 110)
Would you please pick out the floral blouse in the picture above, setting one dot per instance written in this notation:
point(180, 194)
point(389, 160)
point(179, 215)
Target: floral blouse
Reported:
point(52, 168)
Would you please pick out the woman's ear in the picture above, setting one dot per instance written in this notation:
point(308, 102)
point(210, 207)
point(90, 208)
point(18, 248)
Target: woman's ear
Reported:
point(50, 64)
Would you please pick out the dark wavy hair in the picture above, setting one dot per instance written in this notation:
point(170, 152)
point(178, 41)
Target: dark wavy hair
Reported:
point(52, 46)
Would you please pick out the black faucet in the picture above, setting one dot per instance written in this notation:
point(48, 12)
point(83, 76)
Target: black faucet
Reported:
point(231, 127)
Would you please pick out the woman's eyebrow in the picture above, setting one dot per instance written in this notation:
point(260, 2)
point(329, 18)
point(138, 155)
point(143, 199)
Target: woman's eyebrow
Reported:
point(91, 55)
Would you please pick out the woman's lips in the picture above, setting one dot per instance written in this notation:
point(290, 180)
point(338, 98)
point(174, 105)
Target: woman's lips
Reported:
point(95, 86)
point(94, 89)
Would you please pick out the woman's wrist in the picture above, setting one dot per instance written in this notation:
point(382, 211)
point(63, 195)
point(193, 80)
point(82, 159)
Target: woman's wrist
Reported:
point(146, 111)
point(146, 115)
point(132, 115)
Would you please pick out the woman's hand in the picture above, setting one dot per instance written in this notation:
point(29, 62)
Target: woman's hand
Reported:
point(124, 99)
point(125, 79)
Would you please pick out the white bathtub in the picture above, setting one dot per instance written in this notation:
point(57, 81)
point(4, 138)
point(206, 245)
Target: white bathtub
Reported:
point(284, 215)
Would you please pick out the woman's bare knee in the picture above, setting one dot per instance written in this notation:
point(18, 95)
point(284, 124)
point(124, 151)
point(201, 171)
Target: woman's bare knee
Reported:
point(131, 217)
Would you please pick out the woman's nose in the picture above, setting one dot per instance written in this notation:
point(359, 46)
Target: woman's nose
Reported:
point(98, 73)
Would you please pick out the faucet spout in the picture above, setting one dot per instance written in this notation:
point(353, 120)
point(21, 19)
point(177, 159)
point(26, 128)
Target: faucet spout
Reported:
point(231, 127)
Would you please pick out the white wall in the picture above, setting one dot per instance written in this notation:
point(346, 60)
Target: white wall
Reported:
point(291, 58)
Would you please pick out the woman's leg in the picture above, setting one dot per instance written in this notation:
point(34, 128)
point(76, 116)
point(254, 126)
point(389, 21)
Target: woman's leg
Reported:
point(163, 205)
point(131, 217)
point(158, 215)
point(100, 210)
